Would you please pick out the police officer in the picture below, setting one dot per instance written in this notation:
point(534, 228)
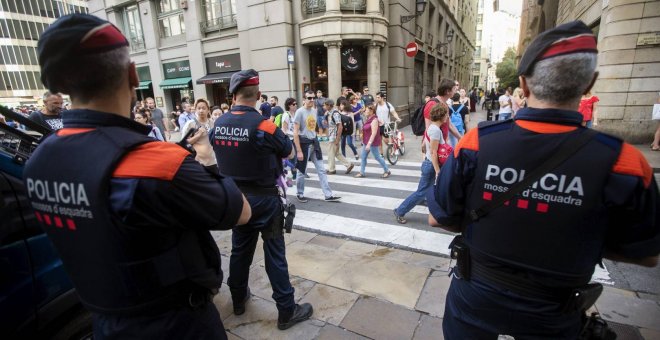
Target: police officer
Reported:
point(123, 210)
point(524, 264)
point(249, 148)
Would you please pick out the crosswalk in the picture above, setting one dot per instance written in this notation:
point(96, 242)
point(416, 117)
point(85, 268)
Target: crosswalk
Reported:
point(365, 211)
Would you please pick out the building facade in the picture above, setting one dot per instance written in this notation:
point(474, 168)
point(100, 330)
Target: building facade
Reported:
point(628, 35)
point(21, 25)
point(187, 49)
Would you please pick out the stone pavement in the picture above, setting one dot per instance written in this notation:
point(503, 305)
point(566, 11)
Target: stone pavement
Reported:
point(369, 291)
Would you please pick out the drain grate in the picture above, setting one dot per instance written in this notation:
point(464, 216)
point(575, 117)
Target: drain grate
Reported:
point(625, 332)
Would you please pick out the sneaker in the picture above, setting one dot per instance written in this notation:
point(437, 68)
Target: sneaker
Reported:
point(350, 168)
point(301, 199)
point(239, 307)
point(399, 219)
point(331, 172)
point(300, 313)
point(332, 199)
point(356, 157)
point(307, 176)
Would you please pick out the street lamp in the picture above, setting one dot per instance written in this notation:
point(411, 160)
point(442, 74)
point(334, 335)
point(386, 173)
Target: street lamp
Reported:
point(450, 37)
point(420, 6)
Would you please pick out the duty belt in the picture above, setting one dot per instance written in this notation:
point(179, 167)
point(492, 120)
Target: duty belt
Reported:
point(259, 191)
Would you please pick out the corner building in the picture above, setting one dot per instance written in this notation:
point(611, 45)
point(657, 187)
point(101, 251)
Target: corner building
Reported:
point(186, 49)
point(628, 33)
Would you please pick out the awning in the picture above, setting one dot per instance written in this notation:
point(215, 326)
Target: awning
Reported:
point(175, 83)
point(215, 78)
point(144, 85)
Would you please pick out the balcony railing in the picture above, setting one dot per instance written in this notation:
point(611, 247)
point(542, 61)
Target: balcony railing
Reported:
point(353, 5)
point(136, 44)
point(313, 6)
point(318, 6)
point(218, 24)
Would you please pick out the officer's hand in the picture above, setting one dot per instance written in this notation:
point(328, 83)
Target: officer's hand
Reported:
point(299, 155)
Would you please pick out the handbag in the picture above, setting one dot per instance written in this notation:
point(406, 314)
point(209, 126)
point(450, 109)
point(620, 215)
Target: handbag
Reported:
point(444, 150)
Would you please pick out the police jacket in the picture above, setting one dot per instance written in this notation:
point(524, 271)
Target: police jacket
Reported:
point(129, 216)
point(553, 233)
point(249, 148)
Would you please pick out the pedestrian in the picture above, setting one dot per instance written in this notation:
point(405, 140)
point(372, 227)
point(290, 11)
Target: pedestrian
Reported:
point(430, 166)
point(383, 111)
point(458, 116)
point(589, 109)
point(158, 119)
point(142, 117)
point(275, 110)
point(129, 227)
point(358, 110)
point(346, 110)
point(255, 164)
point(321, 119)
point(216, 112)
point(51, 115)
point(202, 125)
point(505, 105)
point(224, 107)
point(446, 90)
point(186, 115)
point(367, 98)
point(290, 107)
point(517, 101)
point(309, 149)
point(474, 99)
point(526, 252)
point(334, 137)
point(370, 143)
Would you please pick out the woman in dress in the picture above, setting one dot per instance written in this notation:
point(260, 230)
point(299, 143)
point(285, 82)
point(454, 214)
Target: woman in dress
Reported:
point(200, 138)
point(371, 140)
point(589, 109)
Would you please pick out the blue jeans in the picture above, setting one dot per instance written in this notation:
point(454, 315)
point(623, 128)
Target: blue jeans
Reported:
point(505, 115)
point(375, 151)
point(320, 170)
point(417, 197)
point(344, 140)
point(243, 244)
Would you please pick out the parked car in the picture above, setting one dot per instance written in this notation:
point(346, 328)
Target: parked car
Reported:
point(37, 299)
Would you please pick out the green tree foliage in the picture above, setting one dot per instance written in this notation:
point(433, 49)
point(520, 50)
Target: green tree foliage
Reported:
point(507, 71)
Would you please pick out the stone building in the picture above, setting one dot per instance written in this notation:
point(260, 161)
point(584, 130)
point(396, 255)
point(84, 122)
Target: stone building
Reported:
point(628, 33)
point(190, 48)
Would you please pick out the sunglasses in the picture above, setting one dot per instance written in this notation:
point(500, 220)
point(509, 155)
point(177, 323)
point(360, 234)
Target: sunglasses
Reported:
point(294, 103)
point(310, 98)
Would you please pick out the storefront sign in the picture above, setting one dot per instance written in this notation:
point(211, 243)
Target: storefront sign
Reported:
point(351, 59)
point(143, 73)
point(177, 69)
point(224, 63)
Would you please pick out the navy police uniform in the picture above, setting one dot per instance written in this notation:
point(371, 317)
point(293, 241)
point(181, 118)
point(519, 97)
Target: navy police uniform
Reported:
point(249, 148)
point(128, 215)
point(528, 254)
point(129, 226)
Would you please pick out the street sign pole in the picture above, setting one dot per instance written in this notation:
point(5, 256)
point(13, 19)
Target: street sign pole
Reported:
point(290, 59)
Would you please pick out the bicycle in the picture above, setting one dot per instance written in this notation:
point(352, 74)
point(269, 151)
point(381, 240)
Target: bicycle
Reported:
point(396, 145)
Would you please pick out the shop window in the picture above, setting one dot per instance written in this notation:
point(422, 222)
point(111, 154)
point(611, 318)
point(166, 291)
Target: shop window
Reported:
point(170, 18)
point(219, 14)
point(133, 28)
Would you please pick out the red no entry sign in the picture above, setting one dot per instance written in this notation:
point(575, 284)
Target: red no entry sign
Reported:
point(411, 49)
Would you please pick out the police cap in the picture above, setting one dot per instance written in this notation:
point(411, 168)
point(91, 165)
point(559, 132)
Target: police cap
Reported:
point(72, 36)
point(572, 37)
point(243, 78)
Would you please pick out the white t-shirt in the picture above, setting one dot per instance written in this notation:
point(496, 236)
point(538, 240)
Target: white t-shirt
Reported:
point(286, 117)
point(503, 100)
point(383, 112)
point(434, 133)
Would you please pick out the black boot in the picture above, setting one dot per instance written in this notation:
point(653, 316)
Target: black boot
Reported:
point(300, 313)
point(239, 305)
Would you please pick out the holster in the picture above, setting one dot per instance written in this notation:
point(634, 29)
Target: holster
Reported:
point(582, 298)
point(461, 253)
point(289, 212)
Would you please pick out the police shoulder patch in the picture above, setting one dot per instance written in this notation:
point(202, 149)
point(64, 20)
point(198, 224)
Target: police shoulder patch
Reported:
point(155, 160)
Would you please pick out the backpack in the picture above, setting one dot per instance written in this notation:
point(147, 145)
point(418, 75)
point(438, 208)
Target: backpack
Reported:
point(278, 120)
point(417, 119)
point(346, 125)
point(456, 118)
